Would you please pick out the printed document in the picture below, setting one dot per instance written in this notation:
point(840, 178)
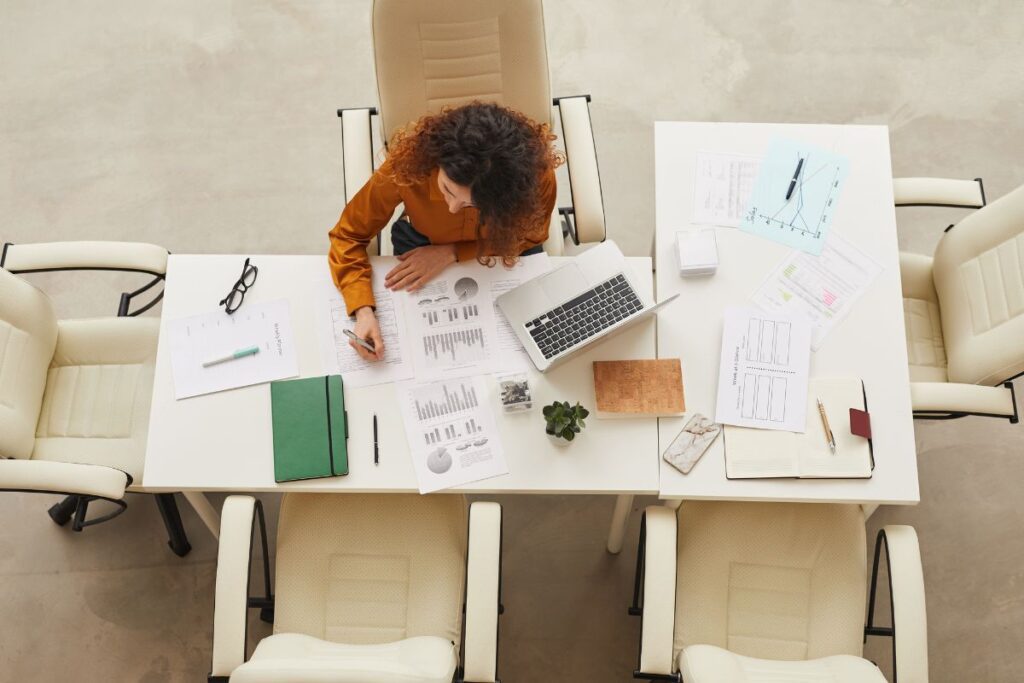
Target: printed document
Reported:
point(209, 336)
point(722, 187)
point(821, 289)
point(796, 195)
point(453, 438)
point(451, 323)
point(333, 319)
point(762, 379)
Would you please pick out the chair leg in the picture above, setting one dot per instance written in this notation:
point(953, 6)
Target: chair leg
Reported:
point(61, 512)
point(178, 541)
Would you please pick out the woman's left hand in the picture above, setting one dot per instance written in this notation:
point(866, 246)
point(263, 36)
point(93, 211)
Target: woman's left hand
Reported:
point(419, 266)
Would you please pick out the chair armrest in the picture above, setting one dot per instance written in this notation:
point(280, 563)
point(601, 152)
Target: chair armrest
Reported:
point(231, 597)
point(943, 398)
point(44, 476)
point(966, 194)
point(45, 256)
point(554, 245)
point(483, 594)
point(657, 628)
point(584, 179)
point(356, 148)
point(907, 600)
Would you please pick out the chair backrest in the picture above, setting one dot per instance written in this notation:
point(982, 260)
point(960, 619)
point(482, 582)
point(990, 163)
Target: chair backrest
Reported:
point(365, 568)
point(979, 279)
point(450, 52)
point(28, 337)
point(771, 580)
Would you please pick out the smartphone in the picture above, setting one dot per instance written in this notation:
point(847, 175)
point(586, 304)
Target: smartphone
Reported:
point(698, 434)
point(365, 343)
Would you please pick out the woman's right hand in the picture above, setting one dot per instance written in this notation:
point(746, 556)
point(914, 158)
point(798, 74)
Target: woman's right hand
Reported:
point(368, 328)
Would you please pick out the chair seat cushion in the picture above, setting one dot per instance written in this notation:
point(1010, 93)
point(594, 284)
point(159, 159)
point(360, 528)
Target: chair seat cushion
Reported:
point(297, 658)
point(710, 664)
point(926, 350)
point(98, 391)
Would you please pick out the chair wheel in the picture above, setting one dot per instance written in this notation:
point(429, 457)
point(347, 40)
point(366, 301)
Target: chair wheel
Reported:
point(61, 512)
point(267, 615)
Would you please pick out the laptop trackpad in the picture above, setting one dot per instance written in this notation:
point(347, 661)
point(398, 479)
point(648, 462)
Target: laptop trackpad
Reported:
point(564, 283)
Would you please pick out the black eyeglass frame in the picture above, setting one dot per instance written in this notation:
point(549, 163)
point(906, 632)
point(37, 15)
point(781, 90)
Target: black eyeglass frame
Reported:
point(240, 287)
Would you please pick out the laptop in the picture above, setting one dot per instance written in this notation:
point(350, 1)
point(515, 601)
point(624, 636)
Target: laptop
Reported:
point(557, 314)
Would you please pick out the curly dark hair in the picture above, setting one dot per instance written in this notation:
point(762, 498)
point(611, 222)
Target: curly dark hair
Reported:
point(501, 155)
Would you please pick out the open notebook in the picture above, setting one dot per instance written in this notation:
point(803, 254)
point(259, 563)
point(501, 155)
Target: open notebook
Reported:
point(760, 453)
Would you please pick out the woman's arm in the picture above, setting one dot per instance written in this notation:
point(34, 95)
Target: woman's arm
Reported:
point(363, 217)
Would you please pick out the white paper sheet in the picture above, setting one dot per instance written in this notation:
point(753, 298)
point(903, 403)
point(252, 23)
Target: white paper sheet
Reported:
point(451, 324)
point(762, 378)
point(199, 338)
point(453, 438)
point(723, 184)
point(822, 288)
point(337, 354)
point(512, 354)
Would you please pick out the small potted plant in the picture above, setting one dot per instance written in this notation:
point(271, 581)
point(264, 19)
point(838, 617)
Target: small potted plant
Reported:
point(563, 422)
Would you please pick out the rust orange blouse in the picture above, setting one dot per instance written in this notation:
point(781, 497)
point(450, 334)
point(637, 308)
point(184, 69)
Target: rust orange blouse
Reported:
point(372, 207)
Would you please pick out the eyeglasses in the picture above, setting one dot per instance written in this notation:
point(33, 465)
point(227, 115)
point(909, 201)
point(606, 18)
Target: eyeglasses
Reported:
point(235, 297)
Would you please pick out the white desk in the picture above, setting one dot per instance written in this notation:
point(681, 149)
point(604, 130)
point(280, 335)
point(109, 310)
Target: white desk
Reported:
point(869, 344)
point(223, 441)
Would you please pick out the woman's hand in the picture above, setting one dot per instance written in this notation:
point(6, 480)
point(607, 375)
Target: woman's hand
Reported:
point(419, 266)
point(368, 328)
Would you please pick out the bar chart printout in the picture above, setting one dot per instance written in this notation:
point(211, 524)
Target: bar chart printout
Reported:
point(452, 325)
point(453, 438)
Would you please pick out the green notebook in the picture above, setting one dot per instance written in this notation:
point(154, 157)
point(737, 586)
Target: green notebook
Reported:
point(310, 428)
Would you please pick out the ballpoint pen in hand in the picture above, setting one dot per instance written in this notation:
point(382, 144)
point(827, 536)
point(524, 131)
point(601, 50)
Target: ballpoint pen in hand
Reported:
point(828, 430)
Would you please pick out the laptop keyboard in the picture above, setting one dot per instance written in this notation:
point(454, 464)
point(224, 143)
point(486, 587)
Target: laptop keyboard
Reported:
point(581, 318)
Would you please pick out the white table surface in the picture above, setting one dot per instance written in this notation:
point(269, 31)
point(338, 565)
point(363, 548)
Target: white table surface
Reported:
point(869, 343)
point(223, 441)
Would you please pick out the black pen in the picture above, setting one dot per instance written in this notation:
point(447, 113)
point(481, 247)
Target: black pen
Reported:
point(376, 451)
point(792, 183)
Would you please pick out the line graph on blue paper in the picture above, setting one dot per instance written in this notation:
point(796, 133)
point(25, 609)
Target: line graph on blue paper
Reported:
point(796, 194)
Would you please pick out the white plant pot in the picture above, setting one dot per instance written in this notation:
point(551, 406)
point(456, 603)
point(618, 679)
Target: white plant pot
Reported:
point(558, 441)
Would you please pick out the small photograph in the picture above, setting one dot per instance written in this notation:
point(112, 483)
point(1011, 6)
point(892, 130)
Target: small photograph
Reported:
point(515, 392)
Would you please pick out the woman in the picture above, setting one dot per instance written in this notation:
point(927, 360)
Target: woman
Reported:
point(477, 182)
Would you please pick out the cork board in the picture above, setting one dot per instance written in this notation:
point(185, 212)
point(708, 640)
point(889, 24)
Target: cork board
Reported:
point(639, 387)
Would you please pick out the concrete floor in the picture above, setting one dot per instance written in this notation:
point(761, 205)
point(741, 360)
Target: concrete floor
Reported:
point(210, 127)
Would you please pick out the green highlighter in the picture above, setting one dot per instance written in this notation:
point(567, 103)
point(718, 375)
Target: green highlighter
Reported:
point(310, 428)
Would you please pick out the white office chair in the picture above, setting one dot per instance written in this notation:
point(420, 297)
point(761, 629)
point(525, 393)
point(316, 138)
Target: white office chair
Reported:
point(75, 394)
point(370, 589)
point(451, 52)
point(964, 308)
point(751, 592)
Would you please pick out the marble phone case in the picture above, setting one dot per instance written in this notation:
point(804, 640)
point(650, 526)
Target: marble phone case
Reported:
point(686, 449)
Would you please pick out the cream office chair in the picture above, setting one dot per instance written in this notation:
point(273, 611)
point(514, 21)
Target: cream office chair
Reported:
point(75, 394)
point(451, 52)
point(370, 589)
point(750, 592)
point(964, 308)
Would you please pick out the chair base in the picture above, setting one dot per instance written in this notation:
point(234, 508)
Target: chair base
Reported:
point(177, 540)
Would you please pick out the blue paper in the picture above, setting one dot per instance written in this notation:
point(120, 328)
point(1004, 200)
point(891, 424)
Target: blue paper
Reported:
point(803, 220)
